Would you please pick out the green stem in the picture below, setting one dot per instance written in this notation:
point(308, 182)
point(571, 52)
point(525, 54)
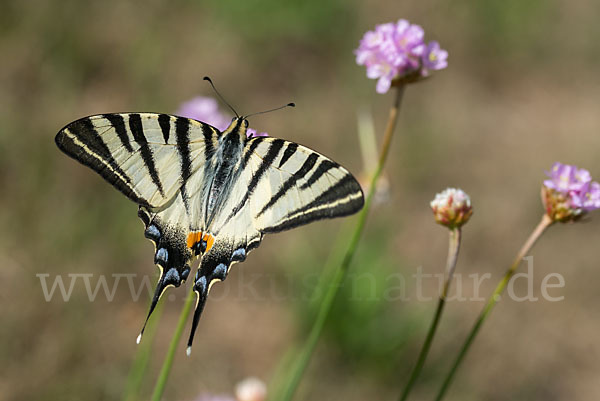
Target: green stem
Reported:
point(453, 248)
point(168, 362)
point(298, 368)
point(494, 298)
point(142, 358)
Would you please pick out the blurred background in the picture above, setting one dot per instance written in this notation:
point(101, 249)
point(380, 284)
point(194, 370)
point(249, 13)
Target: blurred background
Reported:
point(522, 90)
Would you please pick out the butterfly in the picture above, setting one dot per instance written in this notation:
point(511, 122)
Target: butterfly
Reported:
point(206, 194)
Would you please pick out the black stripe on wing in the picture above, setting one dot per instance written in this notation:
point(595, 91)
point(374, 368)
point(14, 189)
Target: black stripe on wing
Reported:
point(182, 131)
point(164, 121)
point(81, 141)
point(272, 153)
point(288, 152)
point(209, 146)
point(137, 129)
point(324, 166)
point(254, 142)
point(341, 199)
point(308, 164)
point(118, 123)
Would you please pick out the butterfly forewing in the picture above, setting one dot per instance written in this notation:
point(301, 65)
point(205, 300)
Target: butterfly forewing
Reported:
point(146, 156)
point(283, 185)
point(303, 186)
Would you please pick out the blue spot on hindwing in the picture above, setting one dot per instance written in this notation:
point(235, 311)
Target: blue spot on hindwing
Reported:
point(152, 232)
point(220, 271)
point(185, 273)
point(161, 257)
point(172, 277)
point(239, 255)
point(200, 285)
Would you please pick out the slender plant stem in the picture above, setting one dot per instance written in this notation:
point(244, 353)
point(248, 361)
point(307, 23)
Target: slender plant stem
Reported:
point(453, 248)
point(159, 388)
point(290, 384)
point(142, 358)
point(533, 237)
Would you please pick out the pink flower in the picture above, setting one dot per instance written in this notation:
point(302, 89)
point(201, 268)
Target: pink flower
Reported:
point(569, 193)
point(434, 58)
point(205, 109)
point(392, 51)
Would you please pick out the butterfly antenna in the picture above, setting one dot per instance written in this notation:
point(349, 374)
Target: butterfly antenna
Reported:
point(275, 109)
point(221, 97)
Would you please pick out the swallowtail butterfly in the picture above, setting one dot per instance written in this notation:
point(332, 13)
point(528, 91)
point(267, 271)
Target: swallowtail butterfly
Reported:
point(208, 194)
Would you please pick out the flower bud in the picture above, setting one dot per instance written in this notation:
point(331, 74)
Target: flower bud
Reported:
point(452, 208)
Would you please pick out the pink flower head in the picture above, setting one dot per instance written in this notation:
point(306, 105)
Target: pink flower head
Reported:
point(206, 109)
point(565, 178)
point(394, 50)
point(569, 193)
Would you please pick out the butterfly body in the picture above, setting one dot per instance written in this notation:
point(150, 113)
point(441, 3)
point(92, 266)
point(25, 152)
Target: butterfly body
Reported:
point(208, 194)
point(226, 166)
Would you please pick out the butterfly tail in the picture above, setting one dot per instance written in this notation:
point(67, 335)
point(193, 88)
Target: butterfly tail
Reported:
point(212, 269)
point(171, 278)
point(201, 287)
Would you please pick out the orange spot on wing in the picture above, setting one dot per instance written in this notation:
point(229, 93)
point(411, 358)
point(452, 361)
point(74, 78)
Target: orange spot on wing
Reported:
point(193, 238)
point(197, 236)
point(210, 240)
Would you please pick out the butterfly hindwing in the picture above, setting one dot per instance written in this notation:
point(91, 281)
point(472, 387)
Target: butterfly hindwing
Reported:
point(172, 256)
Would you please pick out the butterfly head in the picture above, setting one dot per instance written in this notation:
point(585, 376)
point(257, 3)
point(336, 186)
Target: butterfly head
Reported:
point(239, 124)
point(238, 127)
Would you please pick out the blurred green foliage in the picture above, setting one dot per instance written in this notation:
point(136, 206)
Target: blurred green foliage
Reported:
point(371, 322)
point(327, 23)
point(524, 26)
